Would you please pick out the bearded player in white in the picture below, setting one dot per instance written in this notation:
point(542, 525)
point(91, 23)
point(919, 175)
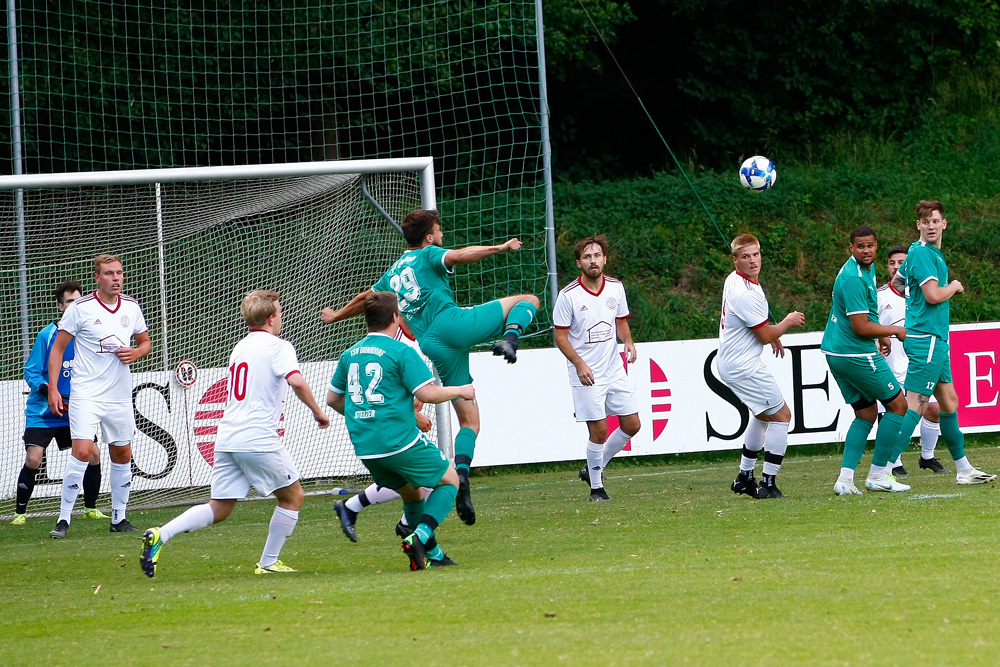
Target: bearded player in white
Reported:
point(590, 315)
point(744, 330)
point(248, 449)
point(892, 312)
point(102, 324)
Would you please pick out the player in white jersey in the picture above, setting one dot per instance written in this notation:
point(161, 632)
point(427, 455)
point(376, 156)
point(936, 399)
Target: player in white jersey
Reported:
point(892, 312)
point(590, 315)
point(248, 449)
point(744, 330)
point(102, 326)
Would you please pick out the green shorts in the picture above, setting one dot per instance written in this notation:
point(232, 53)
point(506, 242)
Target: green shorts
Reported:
point(423, 464)
point(930, 363)
point(453, 332)
point(863, 378)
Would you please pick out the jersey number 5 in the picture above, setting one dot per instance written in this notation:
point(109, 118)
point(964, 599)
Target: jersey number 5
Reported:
point(373, 371)
point(406, 287)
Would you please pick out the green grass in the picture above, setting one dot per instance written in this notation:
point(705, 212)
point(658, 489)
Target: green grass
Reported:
point(675, 570)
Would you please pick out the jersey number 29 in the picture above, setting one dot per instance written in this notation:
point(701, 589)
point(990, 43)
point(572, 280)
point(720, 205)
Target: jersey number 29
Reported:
point(406, 287)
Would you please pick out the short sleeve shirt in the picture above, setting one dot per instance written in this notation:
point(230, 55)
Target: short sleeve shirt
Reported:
point(259, 368)
point(854, 293)
point(419, 280)
point(378, 377)
point(925, 262)
point(591, 319)
point(892, 313)
point(744, 308)
point(99, 330)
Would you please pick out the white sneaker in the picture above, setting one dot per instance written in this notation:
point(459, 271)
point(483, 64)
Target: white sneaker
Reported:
point(885, 483)
point(846, 489)
point(974, 477)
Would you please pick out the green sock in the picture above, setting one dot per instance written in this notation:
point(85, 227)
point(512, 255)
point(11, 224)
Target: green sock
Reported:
point(886, 439)
point(440, 502)
point(435, 554)
point(855, 442)
point(910, 420)
point(465, 447)
point(519, 317)
point(953, 436)
point(413, 511)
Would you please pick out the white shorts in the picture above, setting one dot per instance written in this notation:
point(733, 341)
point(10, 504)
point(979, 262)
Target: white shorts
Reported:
point(599, 401)
point(233, 473)
point(758, 391)
point(116, 420)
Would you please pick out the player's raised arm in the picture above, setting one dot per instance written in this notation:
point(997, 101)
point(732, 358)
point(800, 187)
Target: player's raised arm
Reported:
point(474, 253)
point(302, 390)
point(63, 339)
point(354, 307)
point(935, 294)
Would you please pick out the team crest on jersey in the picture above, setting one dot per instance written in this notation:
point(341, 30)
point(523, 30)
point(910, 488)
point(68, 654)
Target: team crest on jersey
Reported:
point(612, 303)
point(124, 320)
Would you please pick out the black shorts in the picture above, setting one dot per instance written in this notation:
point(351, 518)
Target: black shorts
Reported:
point(42, 436)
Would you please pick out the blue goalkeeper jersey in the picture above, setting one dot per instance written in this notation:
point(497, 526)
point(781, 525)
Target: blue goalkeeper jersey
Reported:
point(36, 374)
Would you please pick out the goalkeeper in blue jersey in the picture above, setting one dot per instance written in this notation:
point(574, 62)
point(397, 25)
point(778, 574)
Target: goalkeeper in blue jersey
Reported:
point(41, 425)
point(374, 387)
point(446, 332)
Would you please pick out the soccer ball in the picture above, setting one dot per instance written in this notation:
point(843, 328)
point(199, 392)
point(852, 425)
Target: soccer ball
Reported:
point(758, 173)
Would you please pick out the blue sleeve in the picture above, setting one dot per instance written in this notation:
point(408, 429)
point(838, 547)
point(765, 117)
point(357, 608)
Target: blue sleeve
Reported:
point(36, 369)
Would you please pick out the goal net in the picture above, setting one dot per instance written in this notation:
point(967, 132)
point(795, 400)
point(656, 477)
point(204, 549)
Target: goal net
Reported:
point(193, 242)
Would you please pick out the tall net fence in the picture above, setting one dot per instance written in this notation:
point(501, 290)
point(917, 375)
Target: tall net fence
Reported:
point(190, 251)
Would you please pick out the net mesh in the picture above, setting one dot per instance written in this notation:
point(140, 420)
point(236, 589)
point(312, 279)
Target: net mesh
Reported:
point(312, 239)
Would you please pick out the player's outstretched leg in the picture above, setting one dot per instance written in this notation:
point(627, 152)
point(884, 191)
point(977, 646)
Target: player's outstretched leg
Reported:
point(151, 544)
point(348, 510)
point(192, 519)
point(521, 313)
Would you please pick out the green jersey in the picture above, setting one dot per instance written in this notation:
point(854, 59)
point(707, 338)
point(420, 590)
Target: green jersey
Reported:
point(378, 377)
point(420, 281)
point(925, 262)
point(854, 293)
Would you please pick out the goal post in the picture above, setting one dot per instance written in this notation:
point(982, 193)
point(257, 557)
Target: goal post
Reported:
point(193, 241)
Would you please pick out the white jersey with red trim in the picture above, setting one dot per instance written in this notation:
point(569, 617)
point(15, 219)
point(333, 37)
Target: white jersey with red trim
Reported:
point(744, 308)
point(892, 313)
point(98, 330)
point(593, 332)
point(258, 369)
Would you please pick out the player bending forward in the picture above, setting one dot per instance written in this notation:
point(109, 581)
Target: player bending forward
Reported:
point(373, 387)
point(743, 333)
point(590, 316)
point(248, 450)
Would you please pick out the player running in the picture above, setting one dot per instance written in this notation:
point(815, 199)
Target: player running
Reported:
point(373, 387)
point(248, 450)
point(446, 332)
point(860, 370)
point(744, 330)
point(923, 278)
point(590, 315)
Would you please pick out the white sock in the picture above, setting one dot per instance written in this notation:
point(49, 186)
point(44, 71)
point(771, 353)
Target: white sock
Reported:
point(876, 472)
point(929, 434)
point(775, 444)
point(121, 486)
point(282, 524)
point(373, 494)
point(595, 464)
point(614, 444)
point(71, 487)
point(753, 440)
point(899, 462)
point(846, 476)
point(962, 465)
point(195, 518)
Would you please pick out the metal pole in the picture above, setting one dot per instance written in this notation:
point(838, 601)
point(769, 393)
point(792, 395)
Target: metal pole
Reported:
point(15, 139)
point(163, 279)
point(550, 224)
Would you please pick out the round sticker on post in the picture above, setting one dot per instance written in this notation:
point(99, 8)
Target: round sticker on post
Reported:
point(187, 373)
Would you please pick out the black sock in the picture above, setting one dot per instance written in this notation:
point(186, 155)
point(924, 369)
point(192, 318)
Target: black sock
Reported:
point(91, 485)
point(25, 487)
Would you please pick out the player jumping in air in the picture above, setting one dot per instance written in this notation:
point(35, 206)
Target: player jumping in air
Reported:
point(446, 332)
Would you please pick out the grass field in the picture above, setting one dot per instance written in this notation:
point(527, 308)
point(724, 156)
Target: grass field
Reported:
point(674, 570)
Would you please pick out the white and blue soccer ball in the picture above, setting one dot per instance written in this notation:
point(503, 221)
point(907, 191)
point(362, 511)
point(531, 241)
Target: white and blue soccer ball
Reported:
point(758, 173)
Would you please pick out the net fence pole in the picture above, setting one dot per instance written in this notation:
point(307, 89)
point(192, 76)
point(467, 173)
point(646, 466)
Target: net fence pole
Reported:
point(15, 140)
point(543, 100)
point(163, 279)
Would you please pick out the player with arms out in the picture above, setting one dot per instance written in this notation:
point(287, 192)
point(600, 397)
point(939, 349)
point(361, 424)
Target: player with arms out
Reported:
point(590, 316)
point(892, 313)
point(102, 325)
point(446, 332)
point(744, 330)
point(248, 449)
point(373, 387)
point(860, 369)
point(923, 278)
point(41, 425)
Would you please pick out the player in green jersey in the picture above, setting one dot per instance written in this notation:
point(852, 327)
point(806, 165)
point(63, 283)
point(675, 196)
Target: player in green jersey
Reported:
point(446, 332)
point(859, 368)
point(374, 387)
point(923, 279)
